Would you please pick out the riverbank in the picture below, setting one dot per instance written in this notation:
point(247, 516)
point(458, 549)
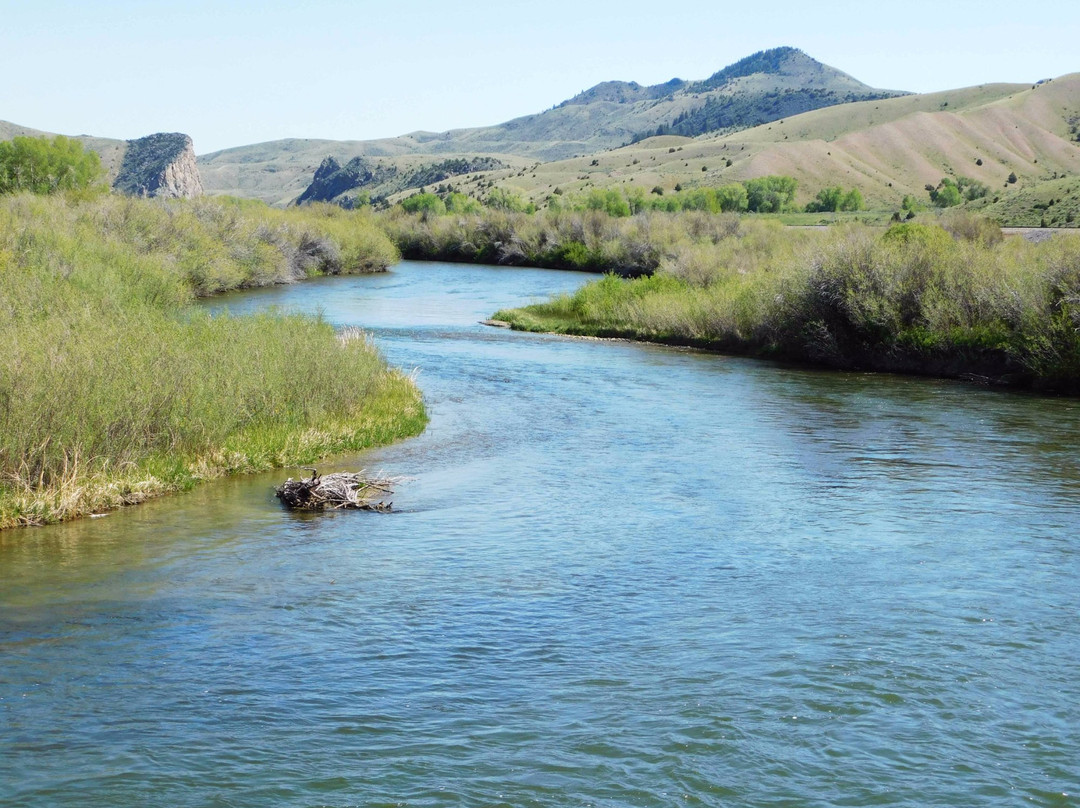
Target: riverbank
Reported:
point(914, 299)
point(114, 388)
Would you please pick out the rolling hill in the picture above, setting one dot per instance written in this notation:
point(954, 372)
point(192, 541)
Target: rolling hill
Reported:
point(887, 148)
point(760, 88)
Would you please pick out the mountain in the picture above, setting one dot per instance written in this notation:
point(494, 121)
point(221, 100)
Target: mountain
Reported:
point(763, 87)
point(334, 182)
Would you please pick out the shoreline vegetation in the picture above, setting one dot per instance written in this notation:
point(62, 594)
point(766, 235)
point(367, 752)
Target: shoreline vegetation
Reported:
point(951, 298)
point(115, 387)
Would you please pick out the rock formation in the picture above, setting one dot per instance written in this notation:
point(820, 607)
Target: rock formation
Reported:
point(331, 180)
point(159, 165)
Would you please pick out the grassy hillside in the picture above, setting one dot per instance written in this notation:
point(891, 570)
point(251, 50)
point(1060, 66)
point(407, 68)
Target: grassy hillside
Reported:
point(886, 148)
point(1054, 203)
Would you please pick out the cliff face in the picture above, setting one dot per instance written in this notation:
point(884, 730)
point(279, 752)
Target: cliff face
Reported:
point(160, 165)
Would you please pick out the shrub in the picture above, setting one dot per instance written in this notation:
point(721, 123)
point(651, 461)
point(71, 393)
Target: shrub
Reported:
point(424, 203)
point(44, 166)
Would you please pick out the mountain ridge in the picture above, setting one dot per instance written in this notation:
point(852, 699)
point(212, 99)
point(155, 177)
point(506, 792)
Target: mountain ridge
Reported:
point(608, 115)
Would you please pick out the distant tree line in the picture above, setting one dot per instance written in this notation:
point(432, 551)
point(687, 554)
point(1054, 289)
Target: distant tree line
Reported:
point(771, 194)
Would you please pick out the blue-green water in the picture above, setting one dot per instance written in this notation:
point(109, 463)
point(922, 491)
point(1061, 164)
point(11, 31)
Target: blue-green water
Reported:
point(620, 575)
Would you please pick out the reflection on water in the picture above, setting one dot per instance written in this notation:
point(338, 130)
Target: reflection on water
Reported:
point(620, 575)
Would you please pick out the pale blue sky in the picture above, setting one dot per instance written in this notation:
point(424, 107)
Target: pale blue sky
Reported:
point(233, 73)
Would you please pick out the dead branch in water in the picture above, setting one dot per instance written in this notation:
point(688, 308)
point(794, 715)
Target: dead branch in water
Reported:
point(343, 489)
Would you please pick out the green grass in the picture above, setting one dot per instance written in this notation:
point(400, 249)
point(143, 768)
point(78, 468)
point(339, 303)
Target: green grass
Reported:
point(113, 387)
point(916, 298)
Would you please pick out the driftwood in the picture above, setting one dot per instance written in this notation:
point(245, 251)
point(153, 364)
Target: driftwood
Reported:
point(340, 490)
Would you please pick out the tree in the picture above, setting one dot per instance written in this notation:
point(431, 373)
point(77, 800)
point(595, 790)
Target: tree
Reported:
point(971, 189)
point(44, 166)
point(827, 199)
point(732, 198)
point(460, 203)
point(424, 203)
point(770, 194)
point(501, 199)
point(610, 201)
point(948, 197)
point(852, 200)
point(946, 194)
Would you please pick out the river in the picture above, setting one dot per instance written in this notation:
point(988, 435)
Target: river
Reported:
point(619, 575)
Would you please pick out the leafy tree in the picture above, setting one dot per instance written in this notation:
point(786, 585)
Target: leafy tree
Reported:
point(460, 203)
point(971, 189)
point(947, 194)
point(770, 194)
point(610, 201)
point(44, 166)
point(501, 199)
point(833, 199)
point(827, 199)
point(948, 197)
point(424, 203)
point(1012, 178)
point(635, 198)
point(852, 200)
point(732, 198)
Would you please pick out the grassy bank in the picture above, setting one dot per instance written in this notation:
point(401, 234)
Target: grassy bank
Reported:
point(114, 388)
point(916, 298)
point(590, 241)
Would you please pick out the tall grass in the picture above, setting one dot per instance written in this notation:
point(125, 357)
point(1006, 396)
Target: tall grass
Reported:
point(113, 388)
point(916, 298)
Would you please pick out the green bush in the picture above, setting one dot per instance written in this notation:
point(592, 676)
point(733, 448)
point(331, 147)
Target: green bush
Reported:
point(44, 166)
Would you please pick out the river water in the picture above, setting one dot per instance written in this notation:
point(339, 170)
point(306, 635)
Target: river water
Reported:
point(620, 575)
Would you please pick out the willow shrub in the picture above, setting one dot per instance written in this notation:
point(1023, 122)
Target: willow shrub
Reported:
point(915, 298)
point(113, 388)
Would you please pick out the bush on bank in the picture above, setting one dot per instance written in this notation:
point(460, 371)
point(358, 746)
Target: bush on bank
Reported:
point(916, 298)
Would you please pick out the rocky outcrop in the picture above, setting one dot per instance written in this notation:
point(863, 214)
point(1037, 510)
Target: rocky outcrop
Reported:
point(332, 179)
point(161, 165)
